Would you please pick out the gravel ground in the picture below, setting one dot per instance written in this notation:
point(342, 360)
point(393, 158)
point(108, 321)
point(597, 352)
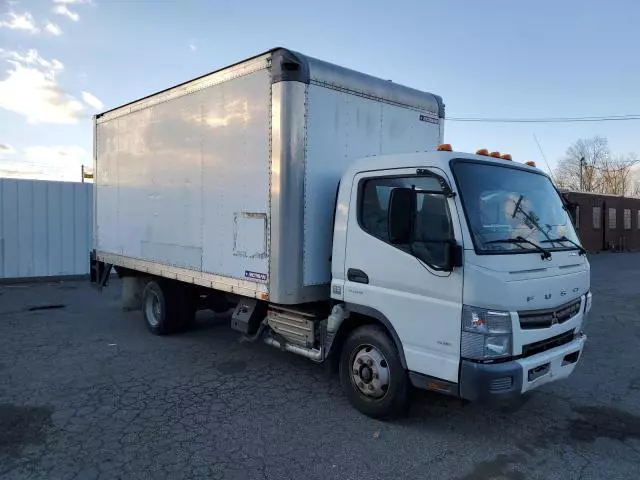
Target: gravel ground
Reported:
point(86, 392)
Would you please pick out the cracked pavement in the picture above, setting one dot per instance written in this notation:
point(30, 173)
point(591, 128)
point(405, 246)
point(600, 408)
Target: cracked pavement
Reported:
point(86, 392)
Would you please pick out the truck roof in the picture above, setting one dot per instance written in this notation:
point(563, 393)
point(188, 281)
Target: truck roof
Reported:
point(287, 65)
point(435, 159)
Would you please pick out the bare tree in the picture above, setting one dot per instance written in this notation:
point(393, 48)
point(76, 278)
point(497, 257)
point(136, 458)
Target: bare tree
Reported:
point(635, 180)
point(589, 166)
point(578, 170)
point(615, 175)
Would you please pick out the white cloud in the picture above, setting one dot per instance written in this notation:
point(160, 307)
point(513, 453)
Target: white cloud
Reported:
point(19, 21)
point(72, 2)
point(57, 153)
point(32, 57)
point(93, 101)
point(47, 163)
point(64, 10)
point(192, 47)
point(53, 29)
point(31, 89)
point(6, 149)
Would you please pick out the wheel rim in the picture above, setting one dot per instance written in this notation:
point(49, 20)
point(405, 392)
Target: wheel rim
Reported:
point(153, 309)
point(370, 372)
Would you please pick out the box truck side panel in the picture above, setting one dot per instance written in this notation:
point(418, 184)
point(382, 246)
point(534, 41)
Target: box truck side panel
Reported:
point(184, 182)
point(106, 188)
point(406, 130)
point(342, 127)
point(236, 173)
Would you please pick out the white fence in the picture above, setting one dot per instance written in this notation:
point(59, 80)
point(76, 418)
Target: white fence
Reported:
point(45, 228)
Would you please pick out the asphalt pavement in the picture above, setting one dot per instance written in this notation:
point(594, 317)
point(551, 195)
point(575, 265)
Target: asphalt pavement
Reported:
point(86, 392)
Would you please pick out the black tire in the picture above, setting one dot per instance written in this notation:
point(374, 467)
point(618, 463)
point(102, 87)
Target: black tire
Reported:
point(395, 401)
point(162, 307)
point(189, 298)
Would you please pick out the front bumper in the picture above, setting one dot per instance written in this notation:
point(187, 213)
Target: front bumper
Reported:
point(508, 380)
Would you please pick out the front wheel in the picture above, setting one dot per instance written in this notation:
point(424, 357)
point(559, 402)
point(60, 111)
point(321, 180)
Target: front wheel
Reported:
point(372, 375)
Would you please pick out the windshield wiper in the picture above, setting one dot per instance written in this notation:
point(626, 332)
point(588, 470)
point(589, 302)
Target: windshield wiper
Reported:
point(579, 247)
point(517, 207)
point(544, 253)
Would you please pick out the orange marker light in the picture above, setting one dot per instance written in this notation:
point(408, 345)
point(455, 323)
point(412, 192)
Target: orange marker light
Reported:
point(495, 154)
point(444, 147)
point(483, 151)
point(506, 156)
point(530, 163)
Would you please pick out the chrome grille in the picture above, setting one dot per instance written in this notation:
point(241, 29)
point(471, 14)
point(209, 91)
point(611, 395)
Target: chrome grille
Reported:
point(531, 319)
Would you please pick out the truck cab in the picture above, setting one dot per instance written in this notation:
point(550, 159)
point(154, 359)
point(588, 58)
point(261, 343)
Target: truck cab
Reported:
point(472, 266)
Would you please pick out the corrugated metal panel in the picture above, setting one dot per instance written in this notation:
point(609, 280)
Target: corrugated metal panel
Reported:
point(45, 228)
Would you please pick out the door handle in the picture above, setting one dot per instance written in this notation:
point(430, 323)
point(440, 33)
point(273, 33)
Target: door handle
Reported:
point(357, 276)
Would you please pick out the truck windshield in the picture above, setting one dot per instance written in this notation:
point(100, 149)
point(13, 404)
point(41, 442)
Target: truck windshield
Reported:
point(511, 209)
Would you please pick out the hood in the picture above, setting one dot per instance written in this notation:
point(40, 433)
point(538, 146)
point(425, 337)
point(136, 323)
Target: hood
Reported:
point(524, 281)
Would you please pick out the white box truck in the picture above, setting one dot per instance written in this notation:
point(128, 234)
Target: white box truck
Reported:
point(315, 201)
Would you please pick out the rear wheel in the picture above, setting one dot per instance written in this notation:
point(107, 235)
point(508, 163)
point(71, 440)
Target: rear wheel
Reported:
point(372, 375)
point(166, 307)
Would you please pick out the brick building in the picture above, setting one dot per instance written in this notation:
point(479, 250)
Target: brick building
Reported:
point(605, 222)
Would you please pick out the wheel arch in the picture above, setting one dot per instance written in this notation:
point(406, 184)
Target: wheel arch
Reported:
point(360, 315)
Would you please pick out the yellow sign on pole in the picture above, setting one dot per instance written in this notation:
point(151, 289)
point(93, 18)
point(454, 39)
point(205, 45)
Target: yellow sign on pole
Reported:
point(86, 174)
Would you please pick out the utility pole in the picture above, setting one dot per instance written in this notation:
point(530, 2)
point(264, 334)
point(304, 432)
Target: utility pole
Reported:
point(82, 173)
point(581, 184)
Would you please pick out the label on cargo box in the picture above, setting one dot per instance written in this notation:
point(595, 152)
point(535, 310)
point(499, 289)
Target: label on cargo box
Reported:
point(425, 118)
point(255, 275)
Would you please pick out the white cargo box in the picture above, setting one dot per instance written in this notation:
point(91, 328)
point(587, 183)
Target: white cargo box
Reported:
point(229, 180)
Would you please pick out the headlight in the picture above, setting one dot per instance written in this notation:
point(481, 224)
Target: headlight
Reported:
point(486, 334)
point(497, 346)
point(587, 303)
point(479, 320)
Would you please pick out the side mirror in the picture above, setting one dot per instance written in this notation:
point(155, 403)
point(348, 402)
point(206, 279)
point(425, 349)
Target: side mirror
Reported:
point(400, 220)
point(452, 256)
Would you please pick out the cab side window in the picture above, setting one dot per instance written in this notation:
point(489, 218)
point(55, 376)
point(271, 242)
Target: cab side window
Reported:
point(432, 222)
point(374, 210)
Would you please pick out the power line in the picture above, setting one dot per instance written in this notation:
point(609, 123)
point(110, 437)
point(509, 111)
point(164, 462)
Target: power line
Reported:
point(604, 118)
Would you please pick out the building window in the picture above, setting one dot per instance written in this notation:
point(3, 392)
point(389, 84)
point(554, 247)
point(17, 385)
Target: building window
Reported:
point(597, 215)
point(612, 219)
point(577, 219)
point(627, 219)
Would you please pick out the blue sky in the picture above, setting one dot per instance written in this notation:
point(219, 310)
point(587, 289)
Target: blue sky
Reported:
point(61, 61)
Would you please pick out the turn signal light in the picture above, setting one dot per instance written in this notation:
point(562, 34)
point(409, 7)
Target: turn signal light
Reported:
point(483, 151)
point(495, 154)
point(530, 163)
point(444, 147)
point(506, 156)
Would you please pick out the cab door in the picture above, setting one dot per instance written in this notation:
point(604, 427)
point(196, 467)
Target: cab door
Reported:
point(421, 303)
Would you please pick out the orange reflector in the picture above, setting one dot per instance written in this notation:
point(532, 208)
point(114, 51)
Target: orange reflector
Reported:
point(506, 156)
point(444, 147)
point(495, 154)
point(530, 163)
point(483, 151)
